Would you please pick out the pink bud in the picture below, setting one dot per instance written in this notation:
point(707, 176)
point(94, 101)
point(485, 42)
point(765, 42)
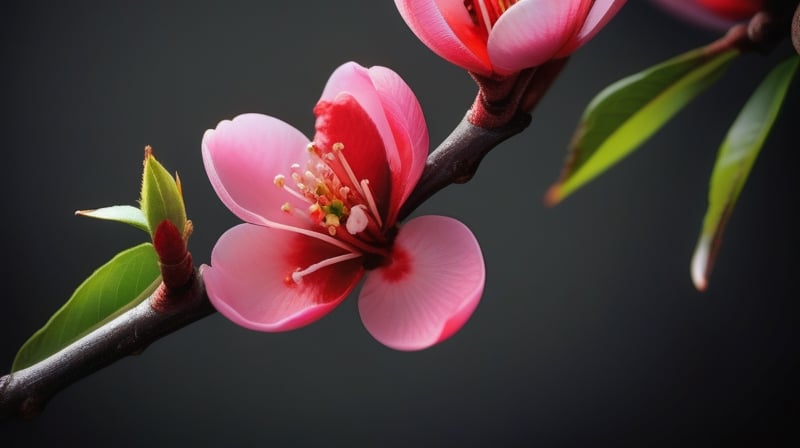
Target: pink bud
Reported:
point(502, 37)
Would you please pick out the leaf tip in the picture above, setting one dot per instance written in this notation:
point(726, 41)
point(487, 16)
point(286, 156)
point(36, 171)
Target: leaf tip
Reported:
point(553, 196)
point(148, 152)
point(701, 264)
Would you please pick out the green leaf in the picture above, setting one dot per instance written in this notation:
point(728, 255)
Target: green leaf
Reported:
point(736, 156)
point(121, 213)
point(126, 280)
point(161, 195)
point(625, 114)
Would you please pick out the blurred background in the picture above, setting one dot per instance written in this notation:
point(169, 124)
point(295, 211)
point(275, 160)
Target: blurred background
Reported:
point(589, 331)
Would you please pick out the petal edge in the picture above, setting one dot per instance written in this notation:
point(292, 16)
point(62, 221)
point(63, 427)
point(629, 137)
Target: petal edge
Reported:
point(431, 288)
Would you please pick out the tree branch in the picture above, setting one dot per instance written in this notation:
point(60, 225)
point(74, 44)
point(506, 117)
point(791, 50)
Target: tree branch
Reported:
point(456, 159)
point(24, 393)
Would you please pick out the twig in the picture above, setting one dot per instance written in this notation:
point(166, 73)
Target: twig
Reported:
point(456, 160)
point(25, 392)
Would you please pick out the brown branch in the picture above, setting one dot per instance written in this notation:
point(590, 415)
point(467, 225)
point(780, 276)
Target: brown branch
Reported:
point(24, 393)
point(456, 160)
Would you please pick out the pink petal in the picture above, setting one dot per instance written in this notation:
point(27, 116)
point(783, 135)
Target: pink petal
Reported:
point(533, 31)
point(247, 280)
point(344, 121)
point(430, 289)
point(396, 113)
point(354, 80)
point(446, 28)
point(689, 10)
point(242, 158)
point(410, 131)
point(601, 13)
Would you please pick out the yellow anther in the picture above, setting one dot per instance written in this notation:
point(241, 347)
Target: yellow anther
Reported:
point(338, 146)
point(321, 189)
point(331, 220)
point(280, 180)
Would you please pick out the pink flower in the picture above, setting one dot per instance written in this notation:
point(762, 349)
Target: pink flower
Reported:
point(714, 14)
point(322, 214)
point(505, 36)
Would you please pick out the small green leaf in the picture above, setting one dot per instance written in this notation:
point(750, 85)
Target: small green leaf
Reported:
point(121, 213)
point(625, 114)
point(161, 195)
point(736, 157)
point(127, 279)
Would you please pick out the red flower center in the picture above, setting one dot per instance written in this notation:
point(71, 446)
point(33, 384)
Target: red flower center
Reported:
point(338, 202)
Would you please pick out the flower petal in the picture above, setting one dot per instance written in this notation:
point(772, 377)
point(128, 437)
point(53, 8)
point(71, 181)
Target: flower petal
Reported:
point(344, 121)
point(410, 131)
point(397, 115)
point(354, 80)
point(445, 27)
point(532, 31)
point(249, 280)
point(601, 13)
point(430, 289)
point(242, 158)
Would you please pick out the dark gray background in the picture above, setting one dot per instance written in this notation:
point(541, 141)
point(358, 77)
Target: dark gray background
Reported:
point(589, 330)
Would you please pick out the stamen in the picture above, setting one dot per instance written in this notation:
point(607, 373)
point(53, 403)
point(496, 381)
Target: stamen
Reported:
point(487, 22)
point(371, 201)
point(297, 276)
point(360, 243)
point(486, 12)
point(337, 149)
point(331, 220)
point(280, 182)
point(311, 233)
